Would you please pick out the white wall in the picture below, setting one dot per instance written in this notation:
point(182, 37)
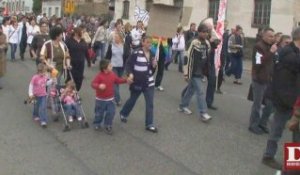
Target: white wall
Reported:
point(51, 5)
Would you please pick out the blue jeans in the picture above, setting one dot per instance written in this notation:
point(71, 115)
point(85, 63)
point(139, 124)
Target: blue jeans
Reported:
point(134, 95)
point(72, 110)
point(277, 127)
point(258, 95)
point(40, 108)
point(13, 50)
point(106, 110)
point(236, 67)
point(179, 55)
point(119, 72)
point(101, 51)
point(194, 85)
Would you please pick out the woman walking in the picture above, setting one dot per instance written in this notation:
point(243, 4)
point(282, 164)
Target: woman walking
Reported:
point(99, 41)
point(117, 62)
point(78, 50)
point(13, 39)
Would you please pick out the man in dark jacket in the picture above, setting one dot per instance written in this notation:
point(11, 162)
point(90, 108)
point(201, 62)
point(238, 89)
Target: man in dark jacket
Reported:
point(286, 90)
point(190, 35)
point(262, 64)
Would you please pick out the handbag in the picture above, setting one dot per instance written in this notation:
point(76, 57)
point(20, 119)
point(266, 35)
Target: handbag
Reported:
point(108, 54)
point(91, 54)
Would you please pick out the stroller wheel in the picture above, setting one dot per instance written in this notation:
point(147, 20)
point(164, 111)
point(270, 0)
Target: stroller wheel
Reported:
point(66, 128)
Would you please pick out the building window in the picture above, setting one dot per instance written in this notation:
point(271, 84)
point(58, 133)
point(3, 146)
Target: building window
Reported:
point(23, 5)
point(213, 9)
point(178, 3)
point(57, 11)
point(126, 5)
point(261, 16)
point(149, 4)
point(49, 11)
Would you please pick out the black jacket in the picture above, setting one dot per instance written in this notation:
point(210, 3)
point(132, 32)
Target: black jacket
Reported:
point(286, 78)
point(262, 63)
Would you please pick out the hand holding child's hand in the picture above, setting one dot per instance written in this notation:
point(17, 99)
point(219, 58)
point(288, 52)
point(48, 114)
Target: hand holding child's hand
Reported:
point(102, 86)
point(129, 80)
point(154, 63)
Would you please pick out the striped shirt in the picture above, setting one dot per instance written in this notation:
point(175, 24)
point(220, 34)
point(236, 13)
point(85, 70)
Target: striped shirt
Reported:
point(141, 68)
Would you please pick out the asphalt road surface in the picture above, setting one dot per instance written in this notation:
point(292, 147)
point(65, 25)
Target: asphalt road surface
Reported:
point(183, 146)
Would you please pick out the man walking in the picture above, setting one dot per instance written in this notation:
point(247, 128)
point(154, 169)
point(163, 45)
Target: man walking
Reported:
point(193, 72)
point(286, 87)
point(262, 68)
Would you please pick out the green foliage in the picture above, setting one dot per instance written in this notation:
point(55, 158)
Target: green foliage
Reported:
point(37, 6)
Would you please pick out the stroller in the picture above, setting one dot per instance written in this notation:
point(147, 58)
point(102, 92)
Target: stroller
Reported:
point(75, 111)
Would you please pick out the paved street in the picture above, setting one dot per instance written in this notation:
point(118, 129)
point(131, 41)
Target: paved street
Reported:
point(183, 146)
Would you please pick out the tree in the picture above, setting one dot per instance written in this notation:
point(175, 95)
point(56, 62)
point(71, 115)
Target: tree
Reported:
point(37, 6)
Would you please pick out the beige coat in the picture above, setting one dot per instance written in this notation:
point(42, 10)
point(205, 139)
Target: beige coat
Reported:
point(3, 46)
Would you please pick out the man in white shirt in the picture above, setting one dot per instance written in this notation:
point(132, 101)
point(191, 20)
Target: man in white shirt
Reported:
point(137, 34)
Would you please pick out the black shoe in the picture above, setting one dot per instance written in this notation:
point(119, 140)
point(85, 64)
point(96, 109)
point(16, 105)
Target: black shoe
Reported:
point(256, 130)
point(152, 129)
point(123, 119)
point(272, 163)
point(108, 130)
point(212, 107)
point(264, 129)
point(219, 91)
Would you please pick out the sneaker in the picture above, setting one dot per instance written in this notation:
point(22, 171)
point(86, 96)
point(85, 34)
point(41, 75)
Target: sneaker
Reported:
point(108, 130)
point(123, 118)
point(79, 118)
point(70, 119)
point(272, 163)
point(256, 130)
point(152, 129)
point(44, 124)
point(159, 88)
point(185, 110)
point(205, 117)
point(36, 119)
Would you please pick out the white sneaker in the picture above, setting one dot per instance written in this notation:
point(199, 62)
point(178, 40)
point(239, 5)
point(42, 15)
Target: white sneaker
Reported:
point(159, 88)
point(205, 117)
point(70, 119)
point(185, 110)
point(79, 118)
point(44, 124)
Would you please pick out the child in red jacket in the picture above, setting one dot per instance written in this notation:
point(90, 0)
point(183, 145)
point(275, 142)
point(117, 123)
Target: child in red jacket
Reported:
point(104, 83)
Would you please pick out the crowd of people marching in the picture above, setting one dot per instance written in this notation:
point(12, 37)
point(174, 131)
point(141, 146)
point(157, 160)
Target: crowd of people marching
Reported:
point(127, 55)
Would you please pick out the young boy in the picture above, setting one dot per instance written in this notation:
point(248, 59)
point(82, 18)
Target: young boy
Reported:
point(104, 83)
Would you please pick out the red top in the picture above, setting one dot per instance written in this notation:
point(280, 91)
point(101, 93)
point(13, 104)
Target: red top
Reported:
point(109, 79)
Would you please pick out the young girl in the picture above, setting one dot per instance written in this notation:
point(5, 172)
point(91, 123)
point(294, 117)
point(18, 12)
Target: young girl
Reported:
point(68, 97)
point(104, 83)
point(37, 90)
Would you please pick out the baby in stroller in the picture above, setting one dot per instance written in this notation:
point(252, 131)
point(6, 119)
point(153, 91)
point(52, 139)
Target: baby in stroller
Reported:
point(69, 99)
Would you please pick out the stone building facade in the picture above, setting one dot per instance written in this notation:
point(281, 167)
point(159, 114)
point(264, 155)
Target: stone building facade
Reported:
point(281, 15)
